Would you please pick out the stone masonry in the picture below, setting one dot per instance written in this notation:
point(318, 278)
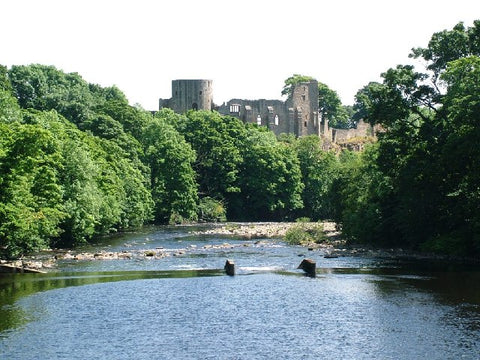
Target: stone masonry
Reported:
point(298, 115)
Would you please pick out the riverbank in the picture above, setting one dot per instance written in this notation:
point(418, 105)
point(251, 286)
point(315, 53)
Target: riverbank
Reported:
point(330, 245)
point(47, 260)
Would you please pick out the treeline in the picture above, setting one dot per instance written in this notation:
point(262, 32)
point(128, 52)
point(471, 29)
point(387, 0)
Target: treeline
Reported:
point(419, 185)
point(77, 161)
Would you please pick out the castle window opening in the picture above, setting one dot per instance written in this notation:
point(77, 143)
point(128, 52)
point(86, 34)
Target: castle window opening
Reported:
point(270, 109)
point(200, 92)
point(195, 106)
point(305, 124)
point(259, 120)
point(235, 108)
point(303, 97)
point(276, 119)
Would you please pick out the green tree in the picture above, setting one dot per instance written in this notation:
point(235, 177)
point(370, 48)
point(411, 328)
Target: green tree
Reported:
point(9, 109)
point(131, 118)
point(427, 152)
point(319, 169)
point(294, 80)
point(270, 179)
point(30, 193)
point(217, 141)
point(170, 158)
point(45, 88)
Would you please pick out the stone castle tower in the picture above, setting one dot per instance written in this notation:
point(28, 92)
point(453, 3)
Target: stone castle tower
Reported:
point(303, 108)
point(189, 94)
point(297, 115)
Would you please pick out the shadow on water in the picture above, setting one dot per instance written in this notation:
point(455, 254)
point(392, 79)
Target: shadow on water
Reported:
point(16, 286)
point(445, 287)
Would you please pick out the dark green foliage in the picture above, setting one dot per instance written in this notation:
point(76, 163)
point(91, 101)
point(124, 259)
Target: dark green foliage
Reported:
point(422, 179)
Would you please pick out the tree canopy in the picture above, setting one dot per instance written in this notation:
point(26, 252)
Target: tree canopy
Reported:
point(77, 161)
point(426, 159)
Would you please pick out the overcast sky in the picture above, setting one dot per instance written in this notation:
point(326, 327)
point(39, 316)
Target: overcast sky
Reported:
point(248, 47)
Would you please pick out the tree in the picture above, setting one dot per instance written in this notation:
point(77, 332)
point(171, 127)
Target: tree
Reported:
point(30, 194)
point(217, 141)
point(9, 109)
point(449, 45)
point(427, 152)
point(132, 119)
point(270, 179)
point(45, 88)
point(172, 178)
point(294, 80)
point(319, 170)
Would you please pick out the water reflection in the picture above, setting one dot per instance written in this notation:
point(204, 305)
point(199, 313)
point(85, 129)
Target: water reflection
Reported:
point(186, 306)
point(339, 314)
point(16, 286)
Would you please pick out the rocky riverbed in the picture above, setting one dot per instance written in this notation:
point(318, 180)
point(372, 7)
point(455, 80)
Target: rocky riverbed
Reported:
point(332, 246)
point(267, 230)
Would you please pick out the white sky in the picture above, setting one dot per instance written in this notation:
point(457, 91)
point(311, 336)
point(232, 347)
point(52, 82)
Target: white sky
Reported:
point(247, 47)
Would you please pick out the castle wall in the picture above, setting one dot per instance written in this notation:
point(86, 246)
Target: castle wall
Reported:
point(270, 113)
point(342, 135)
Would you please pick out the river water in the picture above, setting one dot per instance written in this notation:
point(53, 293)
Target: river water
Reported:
point(184, 306)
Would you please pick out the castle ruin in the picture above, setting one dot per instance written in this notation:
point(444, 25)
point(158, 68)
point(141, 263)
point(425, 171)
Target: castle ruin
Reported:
point(297, 115)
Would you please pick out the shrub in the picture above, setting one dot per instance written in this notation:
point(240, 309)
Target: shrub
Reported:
point(305, 234)
point(211, 210)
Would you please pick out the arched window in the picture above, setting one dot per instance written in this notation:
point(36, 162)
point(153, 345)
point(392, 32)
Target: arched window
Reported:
point(276, 119)
point(195, 106)
point(259, 120)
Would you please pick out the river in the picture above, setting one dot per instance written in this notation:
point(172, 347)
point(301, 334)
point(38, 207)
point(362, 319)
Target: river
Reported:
point(184, 306)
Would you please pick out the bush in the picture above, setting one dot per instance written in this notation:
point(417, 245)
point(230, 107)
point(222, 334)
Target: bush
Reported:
point(297, 235)
point(305, 234)
point(211, 210)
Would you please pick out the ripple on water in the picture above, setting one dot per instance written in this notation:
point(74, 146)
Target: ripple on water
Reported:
point(262, 316)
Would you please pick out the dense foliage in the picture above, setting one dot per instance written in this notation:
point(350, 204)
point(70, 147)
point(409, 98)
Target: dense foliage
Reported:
point(420, 183)
point(77, 161)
